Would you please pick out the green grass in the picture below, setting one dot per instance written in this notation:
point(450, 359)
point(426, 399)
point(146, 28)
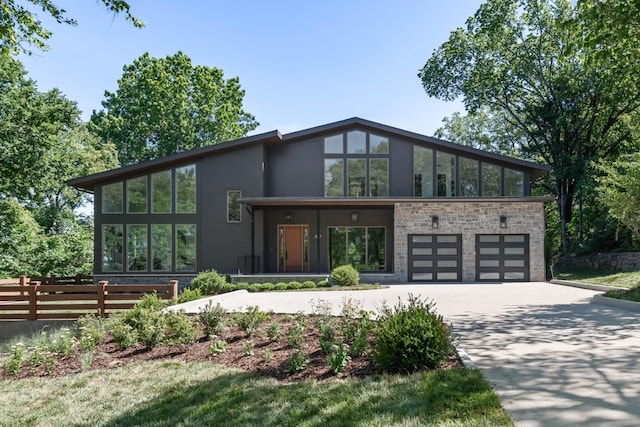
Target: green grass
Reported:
point(626, 280)
point(628, 294)
point(166, 393)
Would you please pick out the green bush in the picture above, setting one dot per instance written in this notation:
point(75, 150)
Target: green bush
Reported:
point(209, 282)
point(280, 286)
point(189, 294)
point(241, 285)
point(294, 285)
point(151, 328)
point(13, 364)
point(91, 330)
point(324, 284)
point(180, 329)
point(123, 334)
point(251, 320)
point(212, 318)
point(411, 336)
point(308, 284)
point(345, 275)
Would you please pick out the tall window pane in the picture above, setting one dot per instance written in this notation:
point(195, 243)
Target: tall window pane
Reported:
point(333, 145)
point(357, 177)
point(111, 247)
point(337, 247)
point(112, 198)
point(233, 206)
point(333, 177)
point(357, 247)
point(161, 192)
point(379, 177)
point(468, 177)
point(513, 183)
point(423, 171)
point(356, 142)
point(161, 247)
point(137, 195)
point(490, 180)
point(446, 174)
point(378, 144)
point(186, 189)
point(376, 253)
point(185, 247)
point(137, 247)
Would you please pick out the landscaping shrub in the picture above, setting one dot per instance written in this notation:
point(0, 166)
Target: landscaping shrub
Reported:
point(280, 286)
point(150, 328)
point(267, 286)
point(217, 346)
point(308, 284)
point(298, 361)
point(411, 336)
point(339, 357)
point(209, 282)
point(91, 330)
point(251, 320)
point(294, 285)
point(13, 365)
point(274, 331)
point(180, 329)
point(345, 275)
point(324, 284)
point(211, 318)
point(189, 294)
point(123, 334)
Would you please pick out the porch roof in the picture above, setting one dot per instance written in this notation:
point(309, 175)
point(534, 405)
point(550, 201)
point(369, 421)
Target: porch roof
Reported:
point(377, 201)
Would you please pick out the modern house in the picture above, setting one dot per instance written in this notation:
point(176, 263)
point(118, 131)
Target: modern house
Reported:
point(397, 205)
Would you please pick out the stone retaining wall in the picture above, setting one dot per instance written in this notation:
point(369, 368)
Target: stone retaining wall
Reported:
point(617, 261)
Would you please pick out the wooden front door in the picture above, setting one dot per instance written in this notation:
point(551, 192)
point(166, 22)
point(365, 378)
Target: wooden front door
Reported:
point(293, 248)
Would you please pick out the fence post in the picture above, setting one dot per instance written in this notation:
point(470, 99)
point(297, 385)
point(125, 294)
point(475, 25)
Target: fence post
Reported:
point(33, 301)
point(23, 282)
point(101, 292)
point(78, 281)
point(173, 289)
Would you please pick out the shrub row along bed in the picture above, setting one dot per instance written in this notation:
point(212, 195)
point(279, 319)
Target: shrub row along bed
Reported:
point(404, 338)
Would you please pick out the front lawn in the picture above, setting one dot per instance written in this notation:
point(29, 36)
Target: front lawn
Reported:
point(168, 393)
point(629, 279)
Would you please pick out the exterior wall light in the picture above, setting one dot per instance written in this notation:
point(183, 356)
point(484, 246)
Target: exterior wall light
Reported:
point(503, 221)
point(354, 216)
point(288, 217)
point(434, 221)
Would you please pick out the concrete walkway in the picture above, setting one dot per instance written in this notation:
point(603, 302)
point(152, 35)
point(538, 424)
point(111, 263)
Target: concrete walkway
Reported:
point(554, 358)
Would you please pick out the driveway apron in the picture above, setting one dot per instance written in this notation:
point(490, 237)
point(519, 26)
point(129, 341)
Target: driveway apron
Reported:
point(553, 357)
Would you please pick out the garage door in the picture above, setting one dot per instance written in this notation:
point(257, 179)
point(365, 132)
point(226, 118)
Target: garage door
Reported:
point(502, 257)
point(435, 257)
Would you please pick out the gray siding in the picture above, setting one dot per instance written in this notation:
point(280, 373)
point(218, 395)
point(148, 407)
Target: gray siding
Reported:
point(296, 169)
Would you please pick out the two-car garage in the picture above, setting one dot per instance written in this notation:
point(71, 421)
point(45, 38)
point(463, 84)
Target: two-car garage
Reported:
point(439, 257)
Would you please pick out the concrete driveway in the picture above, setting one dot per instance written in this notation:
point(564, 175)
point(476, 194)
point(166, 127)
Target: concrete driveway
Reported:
point(554, 358)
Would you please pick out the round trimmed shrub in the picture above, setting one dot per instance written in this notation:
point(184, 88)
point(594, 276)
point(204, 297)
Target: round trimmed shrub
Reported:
point(324, 284)
point(210, 282)
point(189, 294)
point(345, 275)
point(281, 286)
point(308, 284)
point(294, 285)
point(411, 336)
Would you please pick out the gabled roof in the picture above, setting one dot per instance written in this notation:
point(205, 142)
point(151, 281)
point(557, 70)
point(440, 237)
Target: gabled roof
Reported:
point(88, 182)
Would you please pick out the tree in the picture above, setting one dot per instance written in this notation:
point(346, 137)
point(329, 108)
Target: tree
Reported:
point(484, 130)
point(163, 106)
point(43, 144)
point(619, 190)
point(20, 26)
point(527, 59)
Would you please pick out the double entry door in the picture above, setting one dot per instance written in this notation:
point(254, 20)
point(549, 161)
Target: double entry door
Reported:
point(293, 248)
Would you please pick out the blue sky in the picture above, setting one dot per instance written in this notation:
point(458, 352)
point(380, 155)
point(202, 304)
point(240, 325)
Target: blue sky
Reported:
point(302, 63)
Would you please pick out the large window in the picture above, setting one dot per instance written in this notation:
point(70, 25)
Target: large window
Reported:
point(137, 195)
point(468, 177)
point(333, 177)
point(234, 213)
point(446, 173)
point(185, 247)
point(362, 247)
point(491, 180)
point(111, 247)
point(137, 247)
point(186, 189)
point(161, 192)
point(356, 164)
point(112, 198)
point(423, 171)
point(161, 247)
point(513, 183)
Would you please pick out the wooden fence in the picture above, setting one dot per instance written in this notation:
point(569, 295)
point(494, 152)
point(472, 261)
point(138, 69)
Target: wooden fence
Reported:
point(23, 298)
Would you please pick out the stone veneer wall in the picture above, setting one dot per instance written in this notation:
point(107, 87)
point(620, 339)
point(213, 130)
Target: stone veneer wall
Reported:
point(616, 261)
point(470, 218)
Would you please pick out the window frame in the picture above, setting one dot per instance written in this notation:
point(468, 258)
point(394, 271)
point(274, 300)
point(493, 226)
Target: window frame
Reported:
point(229, 220)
